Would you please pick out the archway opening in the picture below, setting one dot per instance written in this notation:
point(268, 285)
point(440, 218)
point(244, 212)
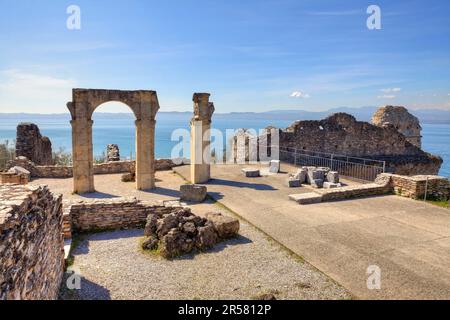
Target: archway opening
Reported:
point(114, 124)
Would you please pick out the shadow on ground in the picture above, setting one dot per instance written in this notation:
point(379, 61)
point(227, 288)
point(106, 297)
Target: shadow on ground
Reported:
point(237, 184)
point(88, 290)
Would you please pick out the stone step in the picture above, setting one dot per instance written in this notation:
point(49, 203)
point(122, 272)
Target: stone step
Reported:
point(306, 198)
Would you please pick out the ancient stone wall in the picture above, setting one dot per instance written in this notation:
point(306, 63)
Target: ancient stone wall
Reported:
point(31, 144)
point(414, 187)
point(436, 188)
point(8, 177)
point(112, 214)
point(102, 168)
point(403, 121)
point(31, 243)
point(341, 134)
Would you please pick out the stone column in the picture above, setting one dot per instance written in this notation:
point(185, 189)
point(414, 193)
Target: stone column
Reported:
point(201, 138)
point(145, 153)
point(83, 177)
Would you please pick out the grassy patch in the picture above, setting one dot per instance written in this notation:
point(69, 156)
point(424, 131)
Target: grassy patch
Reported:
point(443, 204)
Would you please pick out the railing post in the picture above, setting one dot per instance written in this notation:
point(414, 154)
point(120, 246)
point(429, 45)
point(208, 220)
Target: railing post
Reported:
point(295, 156)
point(426, 190)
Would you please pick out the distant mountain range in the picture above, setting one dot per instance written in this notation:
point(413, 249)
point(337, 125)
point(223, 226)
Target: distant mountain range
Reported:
point(427, 116)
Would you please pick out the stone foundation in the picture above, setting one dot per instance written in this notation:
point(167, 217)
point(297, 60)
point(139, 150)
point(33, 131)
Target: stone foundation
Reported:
point(31, 243)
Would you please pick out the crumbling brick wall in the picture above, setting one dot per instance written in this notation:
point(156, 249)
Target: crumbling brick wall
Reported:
point(31, 243)
point(32, 145)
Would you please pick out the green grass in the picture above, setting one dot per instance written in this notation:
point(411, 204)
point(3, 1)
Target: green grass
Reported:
point(443, 204)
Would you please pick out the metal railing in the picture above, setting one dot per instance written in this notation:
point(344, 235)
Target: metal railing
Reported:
point(357, 168)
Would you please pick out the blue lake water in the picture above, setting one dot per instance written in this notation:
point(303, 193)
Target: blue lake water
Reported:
point(119, 129)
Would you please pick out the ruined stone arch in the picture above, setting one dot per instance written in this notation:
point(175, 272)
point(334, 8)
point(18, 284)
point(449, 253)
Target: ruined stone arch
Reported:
point(143, 103)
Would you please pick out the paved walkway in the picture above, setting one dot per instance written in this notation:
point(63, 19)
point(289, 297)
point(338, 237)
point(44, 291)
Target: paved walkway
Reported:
point(408, 240)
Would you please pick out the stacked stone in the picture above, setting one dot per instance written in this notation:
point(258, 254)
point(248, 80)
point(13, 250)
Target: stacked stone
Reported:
point(435, 187)
point(31, 243)
point(181, 231)
point(317, 177)
point(112, 153)
point(32, 145)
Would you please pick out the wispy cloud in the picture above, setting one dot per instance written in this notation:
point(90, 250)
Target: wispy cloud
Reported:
point(30, 92)
point(390, 90)
point(299, 94)
point(387, 96)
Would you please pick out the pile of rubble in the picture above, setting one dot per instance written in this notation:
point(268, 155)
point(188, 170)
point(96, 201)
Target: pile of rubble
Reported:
point(180, 232)
point(317, 177)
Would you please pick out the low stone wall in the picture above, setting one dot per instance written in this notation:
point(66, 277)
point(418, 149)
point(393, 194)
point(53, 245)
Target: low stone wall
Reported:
point(359, 191)
point(67, 171)
point(437, 188)
point(52, 172)
point(7, 177)
point(114, 167)
point(110, 214)
point(414, 187)
point(31, 243)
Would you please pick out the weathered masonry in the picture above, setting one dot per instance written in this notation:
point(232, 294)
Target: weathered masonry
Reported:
point(201, 138)
point(32, 145)
point(31, 243)
point(144, 105)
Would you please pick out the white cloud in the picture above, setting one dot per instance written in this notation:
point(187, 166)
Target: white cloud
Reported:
point(387, 96)
point(389, 90)
point(298, 94)
point(29, 92)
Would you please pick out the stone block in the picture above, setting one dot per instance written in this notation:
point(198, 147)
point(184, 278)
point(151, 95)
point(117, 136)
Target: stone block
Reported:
point(251, 173)
point(317, 183)
point(301, 175)
point(333, 176)
point(331, 185)
point(193, 192)
point(226, 227)
point(20, 171)
point(274, 166)
point(306, 198)
point(313, 173)
point(294, 183)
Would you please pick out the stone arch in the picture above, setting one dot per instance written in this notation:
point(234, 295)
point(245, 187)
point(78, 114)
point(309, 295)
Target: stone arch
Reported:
point(143, 103)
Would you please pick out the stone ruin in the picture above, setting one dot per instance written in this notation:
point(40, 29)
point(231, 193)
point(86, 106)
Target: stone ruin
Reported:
point(112, 153)
point(317, 177)
point(342, 134)
point(180, 232)
point(403, 121)
point(32, 145)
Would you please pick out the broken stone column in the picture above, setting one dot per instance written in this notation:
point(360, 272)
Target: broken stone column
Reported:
point(112, 153)
point(201, 138)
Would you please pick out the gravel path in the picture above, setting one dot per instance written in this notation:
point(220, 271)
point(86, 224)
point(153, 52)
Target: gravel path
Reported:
point(113, 266)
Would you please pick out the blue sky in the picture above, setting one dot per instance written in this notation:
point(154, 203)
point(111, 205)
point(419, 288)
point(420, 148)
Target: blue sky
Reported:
point(250, 55)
